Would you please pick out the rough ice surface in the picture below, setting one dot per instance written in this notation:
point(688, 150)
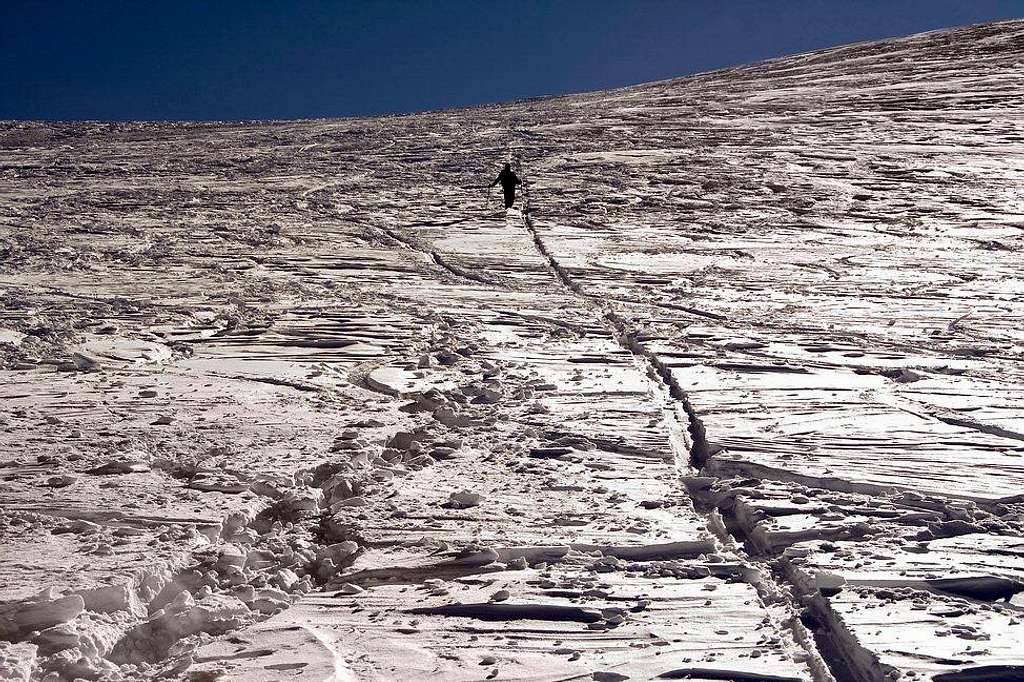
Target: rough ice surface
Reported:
point(733, 393)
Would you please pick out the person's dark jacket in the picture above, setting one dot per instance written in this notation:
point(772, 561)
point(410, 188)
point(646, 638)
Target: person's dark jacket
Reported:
point(507, 179)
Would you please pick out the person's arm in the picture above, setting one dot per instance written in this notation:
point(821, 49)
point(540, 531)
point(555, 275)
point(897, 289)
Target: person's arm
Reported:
point(518, 181)
point(496, 180)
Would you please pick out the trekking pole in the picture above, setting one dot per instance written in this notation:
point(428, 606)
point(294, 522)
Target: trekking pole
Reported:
point(487, 195)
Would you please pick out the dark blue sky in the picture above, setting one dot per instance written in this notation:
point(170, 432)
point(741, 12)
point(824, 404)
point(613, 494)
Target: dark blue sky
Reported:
point(226, 59)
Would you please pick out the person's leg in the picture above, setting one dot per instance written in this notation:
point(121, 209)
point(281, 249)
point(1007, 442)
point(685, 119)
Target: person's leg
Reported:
point(510, 197)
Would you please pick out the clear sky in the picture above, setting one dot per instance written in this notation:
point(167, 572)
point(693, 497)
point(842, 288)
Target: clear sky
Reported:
point(233, 59)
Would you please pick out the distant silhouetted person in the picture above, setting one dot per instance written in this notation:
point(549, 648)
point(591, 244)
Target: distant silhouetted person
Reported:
point(508, 181)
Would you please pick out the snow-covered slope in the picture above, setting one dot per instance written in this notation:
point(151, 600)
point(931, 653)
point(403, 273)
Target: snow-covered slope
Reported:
point(734, 392)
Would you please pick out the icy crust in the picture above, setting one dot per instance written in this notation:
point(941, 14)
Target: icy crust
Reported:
point(886, 634)
point(549, 623)
point(932, 610)
point(502, 555)
point(252, 566)
point(898, 586)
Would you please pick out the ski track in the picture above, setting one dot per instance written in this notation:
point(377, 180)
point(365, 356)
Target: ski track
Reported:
point(769, 590)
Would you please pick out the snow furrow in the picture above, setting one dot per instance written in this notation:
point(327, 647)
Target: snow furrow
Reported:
point(783, 606)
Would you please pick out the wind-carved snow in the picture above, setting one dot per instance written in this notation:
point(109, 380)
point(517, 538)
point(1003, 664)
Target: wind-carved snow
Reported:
point(733, 393)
